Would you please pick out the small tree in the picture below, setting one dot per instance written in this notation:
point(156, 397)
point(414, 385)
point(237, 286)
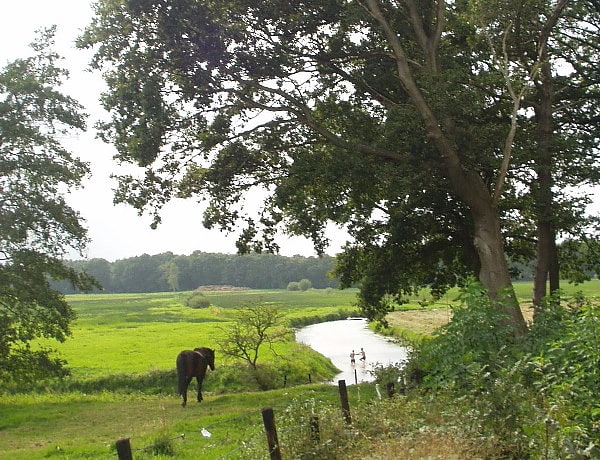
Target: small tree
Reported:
point(254, 326)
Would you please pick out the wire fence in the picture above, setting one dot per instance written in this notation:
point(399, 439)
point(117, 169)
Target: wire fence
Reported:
point(258, 437)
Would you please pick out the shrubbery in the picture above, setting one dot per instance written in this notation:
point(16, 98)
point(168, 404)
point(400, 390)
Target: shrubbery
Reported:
point(302, 285)
point(197, 300)
point(293, 286)
point(529, 396)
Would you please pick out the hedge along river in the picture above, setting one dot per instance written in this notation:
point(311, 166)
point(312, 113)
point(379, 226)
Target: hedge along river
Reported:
point(337, 339)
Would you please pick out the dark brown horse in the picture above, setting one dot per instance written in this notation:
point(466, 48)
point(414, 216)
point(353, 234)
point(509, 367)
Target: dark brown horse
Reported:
point(192, 364)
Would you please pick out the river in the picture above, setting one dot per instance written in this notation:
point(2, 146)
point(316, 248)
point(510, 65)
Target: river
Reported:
point(337, 339)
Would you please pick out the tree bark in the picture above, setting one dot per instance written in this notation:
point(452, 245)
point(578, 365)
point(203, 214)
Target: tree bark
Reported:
point(547, 259)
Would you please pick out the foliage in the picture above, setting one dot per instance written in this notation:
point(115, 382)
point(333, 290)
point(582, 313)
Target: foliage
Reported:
point(568, 370)
point(528, 395)
point(582, 259)
point(197, 300)
point(253, 327)
point(391, 373)
point(477, 361)
point(476, 342)
point(37, 226)
point(293, 286)
point(397, 121)
point(304, 284)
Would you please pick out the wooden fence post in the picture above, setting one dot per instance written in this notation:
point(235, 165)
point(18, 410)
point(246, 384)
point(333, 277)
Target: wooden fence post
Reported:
point(315, 432)
point(269, 421)
point(344, 401)
point(391, 389)
point(124, 449)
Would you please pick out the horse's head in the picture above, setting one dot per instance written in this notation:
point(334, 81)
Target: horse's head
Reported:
point(209, 356)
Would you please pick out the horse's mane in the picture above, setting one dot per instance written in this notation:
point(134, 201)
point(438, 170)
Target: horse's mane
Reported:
point(208, 354)
point(203, 350)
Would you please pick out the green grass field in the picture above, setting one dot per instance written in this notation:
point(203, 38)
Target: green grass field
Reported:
point(133, 333)
point(122, 358)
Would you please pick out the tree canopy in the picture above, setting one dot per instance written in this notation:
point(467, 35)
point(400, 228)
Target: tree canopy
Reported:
point(407, 122)
point(37, 226)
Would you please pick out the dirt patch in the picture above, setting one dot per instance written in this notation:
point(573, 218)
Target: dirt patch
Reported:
point(221, 288)
point(426, 321)
point(420, 321)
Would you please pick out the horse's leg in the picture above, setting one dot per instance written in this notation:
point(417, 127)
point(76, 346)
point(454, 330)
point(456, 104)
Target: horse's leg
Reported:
point(184, 394)
point(199, 380)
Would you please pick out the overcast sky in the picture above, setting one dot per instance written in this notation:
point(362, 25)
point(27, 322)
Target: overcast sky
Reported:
point(116, 231)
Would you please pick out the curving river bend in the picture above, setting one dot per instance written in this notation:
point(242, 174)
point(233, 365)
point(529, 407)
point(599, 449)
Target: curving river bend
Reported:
point(337, 339)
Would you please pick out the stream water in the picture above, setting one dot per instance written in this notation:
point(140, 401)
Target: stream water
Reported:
point(337, 339)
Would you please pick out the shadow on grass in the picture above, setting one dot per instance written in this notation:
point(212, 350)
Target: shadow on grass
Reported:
point(153, 382)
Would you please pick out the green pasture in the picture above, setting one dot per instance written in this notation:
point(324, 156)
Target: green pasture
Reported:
point(137, 333)
point(122, 359)
point(80, 426)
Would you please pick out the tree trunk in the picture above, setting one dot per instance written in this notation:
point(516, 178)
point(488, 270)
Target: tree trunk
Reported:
point(494, 273)
point(547, 258)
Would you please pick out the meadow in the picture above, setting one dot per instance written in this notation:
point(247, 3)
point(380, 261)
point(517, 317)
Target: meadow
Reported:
point(122, 384)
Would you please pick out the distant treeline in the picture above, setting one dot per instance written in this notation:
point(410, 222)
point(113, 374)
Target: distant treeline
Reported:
point(170, 272)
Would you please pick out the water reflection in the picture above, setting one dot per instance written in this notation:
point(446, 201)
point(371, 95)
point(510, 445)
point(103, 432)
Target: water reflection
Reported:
point(337, 339)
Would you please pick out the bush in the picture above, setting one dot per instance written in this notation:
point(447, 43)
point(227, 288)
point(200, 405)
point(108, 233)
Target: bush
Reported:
point(197, 300)
point(476, 359)
point(304, 284)
point(528, 397)
point(569, 367)
point(478, 340)
point(293, 286)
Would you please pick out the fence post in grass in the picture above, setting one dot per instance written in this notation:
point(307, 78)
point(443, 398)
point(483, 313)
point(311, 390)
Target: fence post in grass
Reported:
point(315, 433)
point(124, 449)
point(391, 389)
point(344, 401)
point(272, 441)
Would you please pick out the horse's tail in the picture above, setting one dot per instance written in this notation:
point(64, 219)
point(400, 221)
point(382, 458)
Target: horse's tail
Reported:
point(181, 378)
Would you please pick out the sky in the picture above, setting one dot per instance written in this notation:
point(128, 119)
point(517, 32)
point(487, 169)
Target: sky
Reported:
point(116, 231)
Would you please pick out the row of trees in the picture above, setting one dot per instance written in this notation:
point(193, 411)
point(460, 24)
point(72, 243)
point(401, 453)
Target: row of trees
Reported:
point(169, 272)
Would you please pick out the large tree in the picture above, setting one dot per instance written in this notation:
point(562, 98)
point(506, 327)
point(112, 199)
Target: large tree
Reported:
point(388, 117)
point(37, 226)
point(548, 51)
